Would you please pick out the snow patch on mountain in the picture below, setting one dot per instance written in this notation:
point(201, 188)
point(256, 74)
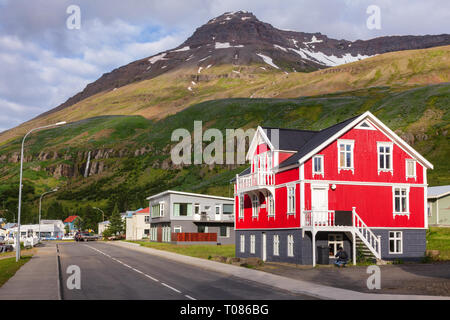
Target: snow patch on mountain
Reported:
point(225, 45)
point(268, 60)
point(313, 40)
point(182, 49)
point(157, 58)
point(280, 47)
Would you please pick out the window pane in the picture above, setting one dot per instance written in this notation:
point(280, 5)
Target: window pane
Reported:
point(348, 147)
point(349, 160)
point(398, 246)
point(227, 209)
point(381, 161)
point(388, 161)
point(391, 246)
point(341, 159)
point(397, 204)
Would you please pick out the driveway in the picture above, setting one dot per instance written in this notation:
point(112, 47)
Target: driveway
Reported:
point(408, 278)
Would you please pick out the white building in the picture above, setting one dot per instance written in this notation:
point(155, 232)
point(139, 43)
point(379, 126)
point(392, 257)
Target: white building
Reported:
point(138, 225)
point(48, 231)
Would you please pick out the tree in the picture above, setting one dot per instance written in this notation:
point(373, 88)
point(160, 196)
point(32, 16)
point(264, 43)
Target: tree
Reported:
point(78, 223)
point(116, 223)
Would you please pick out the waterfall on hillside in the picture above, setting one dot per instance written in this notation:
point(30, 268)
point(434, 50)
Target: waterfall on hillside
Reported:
point(86, 170)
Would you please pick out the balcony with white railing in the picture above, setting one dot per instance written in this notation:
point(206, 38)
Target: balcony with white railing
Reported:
point(255, 180)
point(330, 220)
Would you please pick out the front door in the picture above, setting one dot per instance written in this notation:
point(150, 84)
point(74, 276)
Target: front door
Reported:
point(319, 204)
point(264, 246)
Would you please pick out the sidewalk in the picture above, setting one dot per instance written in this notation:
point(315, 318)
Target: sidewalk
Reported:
point(36, 280)
point(292, 285)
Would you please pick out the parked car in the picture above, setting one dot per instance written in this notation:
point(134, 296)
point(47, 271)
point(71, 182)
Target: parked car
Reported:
point(85, 236)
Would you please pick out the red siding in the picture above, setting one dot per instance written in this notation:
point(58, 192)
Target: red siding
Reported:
point(365, 160)
point(281, 219)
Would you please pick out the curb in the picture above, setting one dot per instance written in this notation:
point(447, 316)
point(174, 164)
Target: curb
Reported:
point(292, 285)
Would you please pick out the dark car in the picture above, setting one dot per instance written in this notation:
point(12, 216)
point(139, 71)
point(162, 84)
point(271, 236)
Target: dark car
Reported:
point(85, 236)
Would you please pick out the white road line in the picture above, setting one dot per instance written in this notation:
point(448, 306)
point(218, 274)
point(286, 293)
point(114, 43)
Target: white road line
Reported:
point(154, 279)
point(172, 288)
point(138, 271)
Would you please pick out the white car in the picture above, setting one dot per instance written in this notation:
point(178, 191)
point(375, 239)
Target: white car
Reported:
point(68, 238)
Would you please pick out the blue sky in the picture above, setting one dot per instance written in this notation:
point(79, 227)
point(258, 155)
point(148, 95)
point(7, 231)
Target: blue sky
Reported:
point(42, 63)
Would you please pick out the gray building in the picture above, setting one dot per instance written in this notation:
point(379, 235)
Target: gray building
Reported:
point(439, 206)
point(182, 212)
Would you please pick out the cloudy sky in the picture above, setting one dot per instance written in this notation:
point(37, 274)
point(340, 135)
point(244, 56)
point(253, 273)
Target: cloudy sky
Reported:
point(42, 62)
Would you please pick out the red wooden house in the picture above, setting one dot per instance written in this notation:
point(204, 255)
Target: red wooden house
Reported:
point(356, 184)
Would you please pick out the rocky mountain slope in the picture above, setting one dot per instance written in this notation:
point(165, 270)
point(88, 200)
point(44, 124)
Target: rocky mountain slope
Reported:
point(240, 39)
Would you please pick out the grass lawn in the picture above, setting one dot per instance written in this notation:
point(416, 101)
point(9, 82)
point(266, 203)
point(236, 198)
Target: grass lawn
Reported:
point(439, 239)
point(198, 251)
point(8, 267)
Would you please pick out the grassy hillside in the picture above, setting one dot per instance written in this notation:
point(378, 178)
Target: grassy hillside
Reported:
point(169, 93)
point(134, 152)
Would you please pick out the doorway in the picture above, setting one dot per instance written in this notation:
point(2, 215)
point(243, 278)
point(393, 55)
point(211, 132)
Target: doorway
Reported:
point(319, 204)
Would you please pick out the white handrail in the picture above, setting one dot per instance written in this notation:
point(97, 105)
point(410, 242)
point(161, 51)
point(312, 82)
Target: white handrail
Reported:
point(254, 179)
point(372, 241)
point(319, 218)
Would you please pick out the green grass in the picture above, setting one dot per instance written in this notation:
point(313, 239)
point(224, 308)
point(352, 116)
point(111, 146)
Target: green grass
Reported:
point(194, 250)
point(439, 239)
point(9, 266)
point(421, 114)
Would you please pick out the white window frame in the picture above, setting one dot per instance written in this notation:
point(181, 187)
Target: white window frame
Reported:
point(197, 206)
point(276, 245)
point(255, 206)
point(242, 243)
point(175, 228)
point(220, 209)
point(385, 144)
point(270, 206)
point(346, 142)
point(290, 192)
point(227, 232)
point(162, 208)
point(241, 206)
point(252, 244)
point(322, 171)
point(147, 219)
point(414, 163)
point(336, 240)
point(404, 212)
point(360, 125)
point(395, 236)
point(290, 245)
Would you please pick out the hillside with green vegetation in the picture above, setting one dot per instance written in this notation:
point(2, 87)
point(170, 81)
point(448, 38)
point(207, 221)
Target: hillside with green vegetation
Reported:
point(131, 154)
point(174, 91)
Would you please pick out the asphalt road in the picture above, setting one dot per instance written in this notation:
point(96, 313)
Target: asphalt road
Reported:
point(110, 272)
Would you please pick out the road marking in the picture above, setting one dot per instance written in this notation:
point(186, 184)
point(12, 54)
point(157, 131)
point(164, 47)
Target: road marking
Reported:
point(139, 271)
point(172, 288)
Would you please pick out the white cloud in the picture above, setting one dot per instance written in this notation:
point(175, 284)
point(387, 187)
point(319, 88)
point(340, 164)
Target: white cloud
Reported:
point(42, 63)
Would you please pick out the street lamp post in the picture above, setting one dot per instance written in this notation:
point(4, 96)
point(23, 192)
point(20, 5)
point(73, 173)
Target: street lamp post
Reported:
point(40, 209)
point(20, 184)
point(103, 214)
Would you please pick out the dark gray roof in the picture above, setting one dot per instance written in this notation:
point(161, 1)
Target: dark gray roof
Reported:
point(316, 140)
point(302, 141)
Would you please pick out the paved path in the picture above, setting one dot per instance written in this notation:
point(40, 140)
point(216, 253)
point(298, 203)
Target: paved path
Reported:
point(116, 272)
point(36, 280)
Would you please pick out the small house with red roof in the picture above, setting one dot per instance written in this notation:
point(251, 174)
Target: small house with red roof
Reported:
point(70, 221)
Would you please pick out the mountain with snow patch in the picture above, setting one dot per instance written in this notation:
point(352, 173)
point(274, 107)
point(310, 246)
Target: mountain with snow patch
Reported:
point(240, 39)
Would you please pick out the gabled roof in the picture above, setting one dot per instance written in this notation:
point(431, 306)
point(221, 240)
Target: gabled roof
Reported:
point(70, 219)
point(438, 192)
point(316, 140)
point(145, 210)
point(307, 143)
